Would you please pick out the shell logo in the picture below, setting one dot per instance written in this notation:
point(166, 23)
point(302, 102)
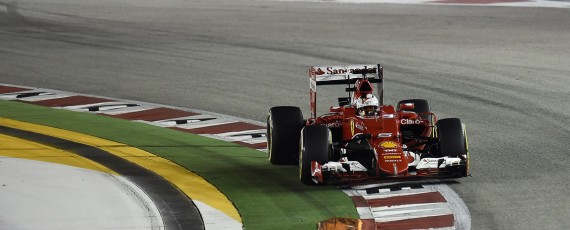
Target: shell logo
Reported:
point(389, 144)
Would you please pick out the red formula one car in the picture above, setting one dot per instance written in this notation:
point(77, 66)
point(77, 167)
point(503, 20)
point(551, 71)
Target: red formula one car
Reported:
point(362, 138)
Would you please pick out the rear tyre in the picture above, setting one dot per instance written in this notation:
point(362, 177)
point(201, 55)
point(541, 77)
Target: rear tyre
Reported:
point(453, 141)
point(284, 124)
point(315, 146)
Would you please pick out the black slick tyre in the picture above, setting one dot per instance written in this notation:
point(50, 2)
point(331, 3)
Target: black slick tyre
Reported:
point(284, 124)
point(315, 146)
point(453, 141)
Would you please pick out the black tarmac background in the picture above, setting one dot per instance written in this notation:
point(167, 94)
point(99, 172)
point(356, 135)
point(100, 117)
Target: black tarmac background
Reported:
point(504, 71)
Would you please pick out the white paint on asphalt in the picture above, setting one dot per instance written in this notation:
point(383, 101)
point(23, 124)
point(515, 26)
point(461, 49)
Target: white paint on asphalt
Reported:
point(396, 194)
point(41, 195)
point(457, 206)
point(411, 211)
point(203, 124)
point(189, 120)
point(215, 219)
point(101, 107)
point(41, 95)
point(365, 213)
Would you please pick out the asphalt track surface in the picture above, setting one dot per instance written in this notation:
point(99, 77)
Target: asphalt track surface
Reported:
point(503, 70)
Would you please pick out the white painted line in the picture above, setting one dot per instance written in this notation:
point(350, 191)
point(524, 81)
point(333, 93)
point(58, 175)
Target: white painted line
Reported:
point(42, 95)
point(12, 96)
point(386, 184)
point(397, 193)
point(215, 219)
point(192, 122)
point(244, 133)
point(216, 137)
point(42, 195)
point(222, 138)
point(102, 106)
point(246, 136)
point(154, 123)
point(84, 106)
point(204, 124)
point(402, 212)
point(391, 210)
point(449, 228)
point(256, 140)
point(187, 119)
point(126, 110)
point(365, 212)
point(456, 204)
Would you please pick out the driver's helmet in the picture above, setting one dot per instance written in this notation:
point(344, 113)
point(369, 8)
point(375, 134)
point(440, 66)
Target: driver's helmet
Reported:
point(367, 106)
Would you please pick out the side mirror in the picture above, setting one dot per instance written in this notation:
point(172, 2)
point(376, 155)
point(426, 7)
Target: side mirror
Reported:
point(406, 106)
point(409, 115)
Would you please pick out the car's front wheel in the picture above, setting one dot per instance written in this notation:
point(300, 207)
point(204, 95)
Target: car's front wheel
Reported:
point(453, 141)
point(315, 146)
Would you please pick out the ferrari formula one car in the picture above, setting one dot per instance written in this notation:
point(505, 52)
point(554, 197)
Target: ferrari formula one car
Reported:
point(362, 138)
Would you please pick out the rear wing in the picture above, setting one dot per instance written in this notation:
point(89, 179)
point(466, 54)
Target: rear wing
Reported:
point(335, 75)
point(338, 75)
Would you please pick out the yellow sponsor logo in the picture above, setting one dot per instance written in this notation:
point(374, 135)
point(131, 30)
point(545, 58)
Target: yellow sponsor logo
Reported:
point(389, 144)
point(392, 157)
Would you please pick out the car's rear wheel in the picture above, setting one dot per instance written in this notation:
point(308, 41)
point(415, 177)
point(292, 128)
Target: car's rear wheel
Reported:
point(284, 124)
point(453, 141)
point(315, 146)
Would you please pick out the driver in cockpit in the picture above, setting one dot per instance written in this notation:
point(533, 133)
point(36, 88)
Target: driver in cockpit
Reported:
point(366, 106)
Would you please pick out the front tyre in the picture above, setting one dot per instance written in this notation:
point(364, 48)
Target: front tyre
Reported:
point(284, 124)
point(453, 141)
point(316, 144)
